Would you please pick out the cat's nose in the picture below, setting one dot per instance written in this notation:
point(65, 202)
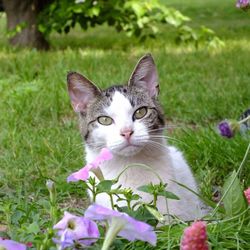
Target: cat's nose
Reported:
point(126, 133)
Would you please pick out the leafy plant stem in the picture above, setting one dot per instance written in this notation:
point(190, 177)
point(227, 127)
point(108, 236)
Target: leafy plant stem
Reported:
point(244, 120)
point(155, 200)
point(111, 201)
point(129, 204)
point(94, 193)
point(114, 228)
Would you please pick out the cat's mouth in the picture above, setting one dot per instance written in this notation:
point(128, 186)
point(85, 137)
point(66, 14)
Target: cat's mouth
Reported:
point(129, 149)
point(130, 145)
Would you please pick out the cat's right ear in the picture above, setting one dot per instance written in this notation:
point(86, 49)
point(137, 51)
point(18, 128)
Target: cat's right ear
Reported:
point(81, 91)
point(145, 76)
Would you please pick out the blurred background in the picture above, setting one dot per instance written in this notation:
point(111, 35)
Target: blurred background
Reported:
point(201, 49)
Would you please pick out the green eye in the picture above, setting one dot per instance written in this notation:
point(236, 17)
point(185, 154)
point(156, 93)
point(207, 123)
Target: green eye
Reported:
point(140, 113)
point(105, 120)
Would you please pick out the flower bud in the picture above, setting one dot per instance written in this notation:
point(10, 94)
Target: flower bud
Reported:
point(247, 195)
point(228, 128)
point(243, 4)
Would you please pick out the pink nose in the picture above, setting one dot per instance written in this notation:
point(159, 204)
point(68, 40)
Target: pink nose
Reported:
point(126, 133)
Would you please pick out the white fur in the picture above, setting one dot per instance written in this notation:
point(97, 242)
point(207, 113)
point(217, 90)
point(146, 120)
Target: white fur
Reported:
point(165, 161)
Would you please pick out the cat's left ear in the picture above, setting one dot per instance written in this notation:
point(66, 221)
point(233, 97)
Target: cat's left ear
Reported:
point(145, 76)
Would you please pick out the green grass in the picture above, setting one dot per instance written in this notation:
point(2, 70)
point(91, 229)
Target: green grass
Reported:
point(39, 133)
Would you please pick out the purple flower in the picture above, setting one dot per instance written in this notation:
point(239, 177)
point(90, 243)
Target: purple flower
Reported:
point(228, 128)
point(225, 129)
point(11, 245)
point(121, 224)
point(243, 4)
point(195, 237)
point(73, 229)
point(83, 173)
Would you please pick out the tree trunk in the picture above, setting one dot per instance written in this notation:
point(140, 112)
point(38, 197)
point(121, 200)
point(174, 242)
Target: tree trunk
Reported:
point(25, 12)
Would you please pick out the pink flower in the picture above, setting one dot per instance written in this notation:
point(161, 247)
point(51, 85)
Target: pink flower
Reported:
point(247, 194)
point(29, 244)
point(243, 4)
point(122, 224)
point(11, 245)
point(71, 229)
point(83, 173)
point(195, 237)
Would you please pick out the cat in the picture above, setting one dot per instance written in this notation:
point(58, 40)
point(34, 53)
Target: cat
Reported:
point(129, 121)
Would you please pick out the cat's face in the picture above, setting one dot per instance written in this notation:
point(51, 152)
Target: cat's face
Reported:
point(125, 118)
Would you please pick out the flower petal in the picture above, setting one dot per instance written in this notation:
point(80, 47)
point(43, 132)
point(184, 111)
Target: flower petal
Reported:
point(138, 230)
point(247, 195)
point(131, 229)
point(12, 245)
point(75, 228)
point(105, 155)
point(63, 223)
point(82, 174)
point(97, 212)
point(225, 129)
point(195, 237)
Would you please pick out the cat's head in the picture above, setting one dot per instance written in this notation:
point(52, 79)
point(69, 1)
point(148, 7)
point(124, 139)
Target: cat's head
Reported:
point(123, 118)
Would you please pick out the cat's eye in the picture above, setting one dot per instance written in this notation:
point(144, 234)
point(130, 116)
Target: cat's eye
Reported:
point(140, 113)
point(105, 120)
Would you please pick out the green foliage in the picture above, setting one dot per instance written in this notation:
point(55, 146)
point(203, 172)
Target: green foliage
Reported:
point(17, 29)
point(158, 190)
point(158, 216)
point(136, 18)
point(234, 201)
point(104, 186)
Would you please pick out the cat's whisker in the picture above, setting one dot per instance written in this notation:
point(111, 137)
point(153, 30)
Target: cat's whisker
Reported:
point(115, 145)
point(162, 136)
point(154, 143)
point(159, 146)
point(152, 136)
point(165, 128)
point(94, 144)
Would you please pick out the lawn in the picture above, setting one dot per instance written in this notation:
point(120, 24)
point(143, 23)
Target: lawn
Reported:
point(39, 132)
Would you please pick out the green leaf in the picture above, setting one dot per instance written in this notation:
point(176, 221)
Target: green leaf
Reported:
point(168, 195)
point(94, 11)
point(104, 186)
point(137, 7)
point(158, 190)
point(135, 197)
point(78, 9)
point(146, 188)
point(156, 214)
point(33, 228)
point(234, 202)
